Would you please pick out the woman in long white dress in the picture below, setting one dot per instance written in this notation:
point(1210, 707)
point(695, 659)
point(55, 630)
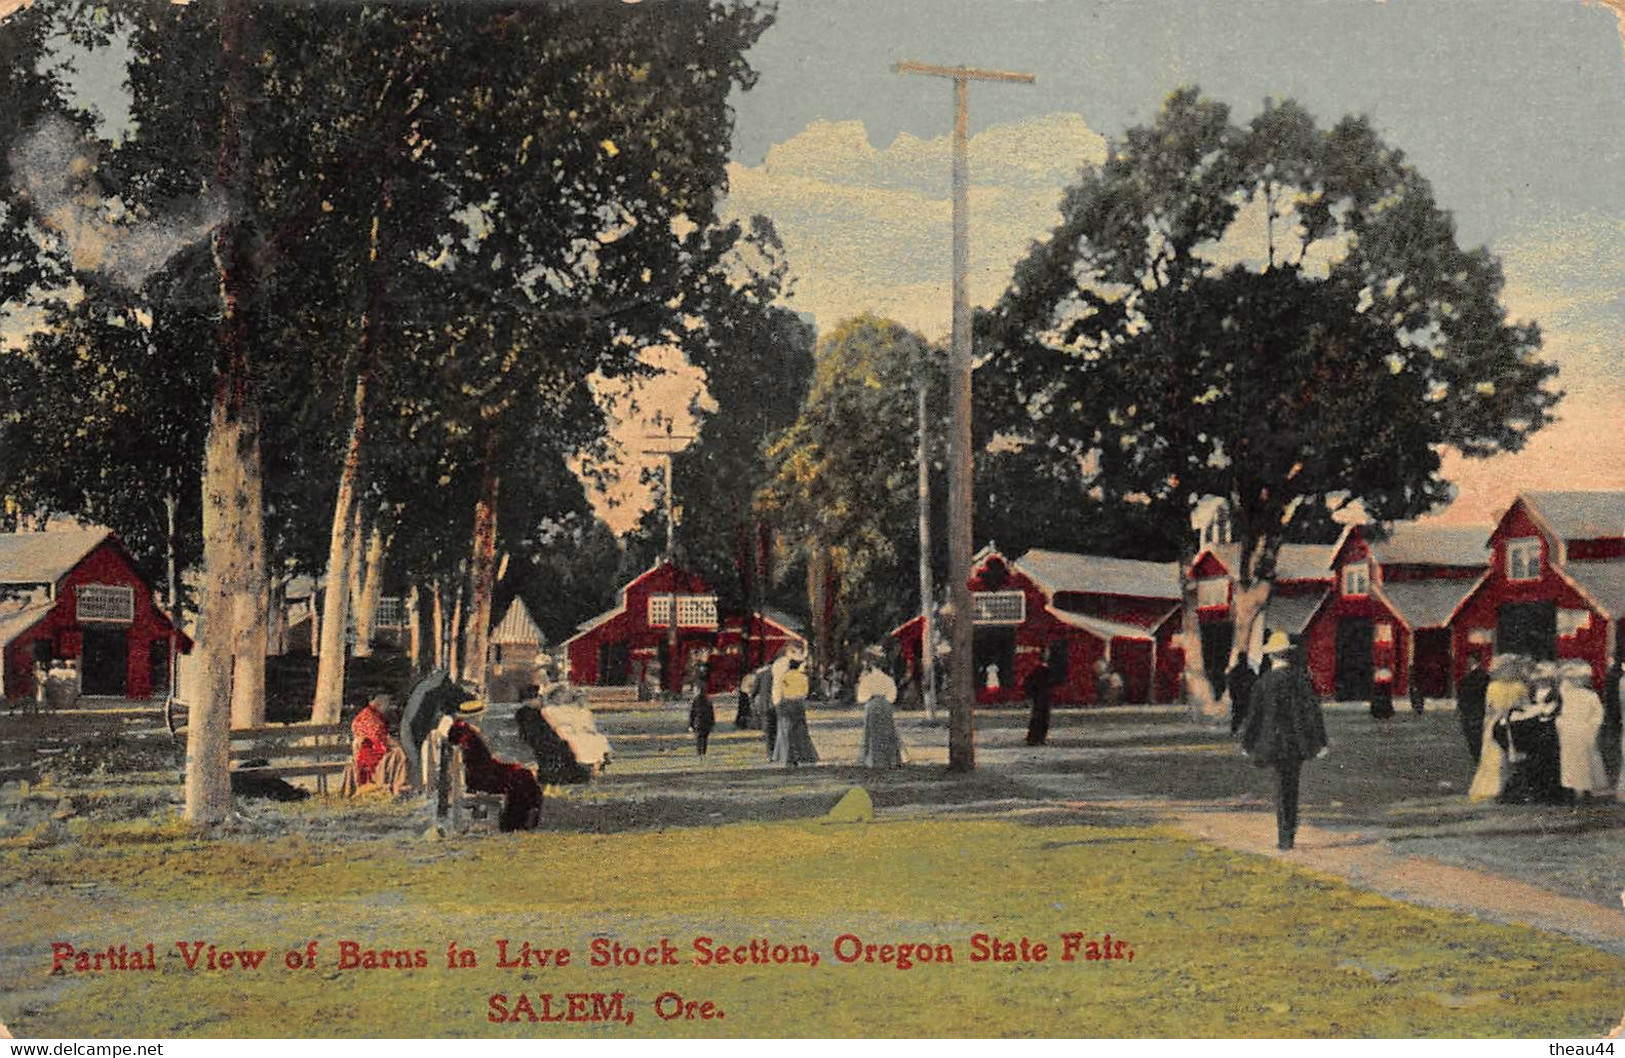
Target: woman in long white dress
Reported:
point(880, 746)
point(1578, 724)
point(1507, 691)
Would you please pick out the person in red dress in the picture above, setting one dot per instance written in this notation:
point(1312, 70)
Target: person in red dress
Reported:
point(370, 729)
point(521, 794)
point(376, 757)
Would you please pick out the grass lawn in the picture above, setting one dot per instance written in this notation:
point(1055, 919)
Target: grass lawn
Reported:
point(1223, 944)
point(668, 846)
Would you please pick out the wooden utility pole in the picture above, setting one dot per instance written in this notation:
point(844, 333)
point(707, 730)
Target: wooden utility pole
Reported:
point(928, 661)
point(961, 673)
point(669, 448)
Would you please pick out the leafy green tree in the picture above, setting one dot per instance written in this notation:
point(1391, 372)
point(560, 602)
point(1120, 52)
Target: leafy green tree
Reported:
point(1275, 314)
point(845, 485)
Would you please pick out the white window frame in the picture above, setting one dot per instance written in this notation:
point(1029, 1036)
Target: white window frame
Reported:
point(1212, 592)
point(391, 612)
point(693, 611)
point(1571, 623)
point(1356, 580)
point(110, 603)
point(1523, 558)
point(986, 607)
point(1385, 632)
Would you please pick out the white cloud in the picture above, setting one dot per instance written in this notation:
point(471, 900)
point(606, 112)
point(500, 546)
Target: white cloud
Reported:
point(869, 229)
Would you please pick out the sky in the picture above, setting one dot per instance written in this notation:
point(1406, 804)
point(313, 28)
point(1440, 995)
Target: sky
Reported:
point(1514, 109)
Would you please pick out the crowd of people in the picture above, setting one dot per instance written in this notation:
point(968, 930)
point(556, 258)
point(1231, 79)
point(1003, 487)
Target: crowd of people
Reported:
point(1536, 730)
point(775, 698)
point(396, 748)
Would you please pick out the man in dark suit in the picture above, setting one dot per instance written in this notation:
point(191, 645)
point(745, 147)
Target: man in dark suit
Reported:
point(1240, 683)
point(1284, 728)
point(1470, 705)
point(1040, 685)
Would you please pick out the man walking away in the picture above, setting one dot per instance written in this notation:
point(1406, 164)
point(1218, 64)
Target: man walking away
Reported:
point(1470, 705)
point(1040, 686)
point(1284, 728)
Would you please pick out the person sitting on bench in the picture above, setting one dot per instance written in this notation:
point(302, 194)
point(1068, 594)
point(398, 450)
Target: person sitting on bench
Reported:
point(377, 758)
point(484, 773)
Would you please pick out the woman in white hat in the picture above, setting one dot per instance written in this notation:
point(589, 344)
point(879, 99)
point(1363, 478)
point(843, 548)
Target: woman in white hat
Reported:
point(1506, 692)
point(1578, 725)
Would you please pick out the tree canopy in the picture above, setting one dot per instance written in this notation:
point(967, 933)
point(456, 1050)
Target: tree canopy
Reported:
point(845, 484)
point(1273, 313)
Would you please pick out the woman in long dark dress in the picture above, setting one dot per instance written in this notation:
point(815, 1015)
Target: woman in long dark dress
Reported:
point(1533, 747)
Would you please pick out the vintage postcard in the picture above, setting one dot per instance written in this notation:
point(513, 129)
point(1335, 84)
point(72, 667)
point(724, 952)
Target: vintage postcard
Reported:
point(642, 519)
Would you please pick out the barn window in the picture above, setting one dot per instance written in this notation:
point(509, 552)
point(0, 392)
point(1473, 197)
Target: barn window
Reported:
point(693, 611)
point(1356, 580)
point(1385, 632)
point(106, 602)
point(1572, 622)
point(1212, 591)
point(1480, 636)
point(1523, 558)
point(391, 612)
point(999, 607)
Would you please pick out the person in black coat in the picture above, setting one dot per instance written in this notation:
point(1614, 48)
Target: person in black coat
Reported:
point(1240, 682)
point(1284, 728)
point(1609, 736)
point(1470, 706)
point(1039, 688)
point(702, 717)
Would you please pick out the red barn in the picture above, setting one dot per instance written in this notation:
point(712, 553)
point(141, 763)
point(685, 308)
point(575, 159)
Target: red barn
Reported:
point(617, 646)
point(1303, 577)
point(1386, 618)
point(1078, 609)
point(1555, 586)
point(76, 593)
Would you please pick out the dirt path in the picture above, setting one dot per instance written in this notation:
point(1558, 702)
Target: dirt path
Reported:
point(1371, 863)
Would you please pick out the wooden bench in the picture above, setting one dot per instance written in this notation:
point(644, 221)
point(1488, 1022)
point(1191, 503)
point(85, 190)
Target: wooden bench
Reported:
point(291, 750)
point(453, 807)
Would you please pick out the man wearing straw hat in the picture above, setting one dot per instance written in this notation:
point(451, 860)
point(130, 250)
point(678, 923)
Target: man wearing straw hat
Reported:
point(1284, 727)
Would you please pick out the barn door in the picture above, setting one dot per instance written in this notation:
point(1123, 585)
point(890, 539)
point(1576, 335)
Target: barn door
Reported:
point(1527, 628)
point(1354, 667)
point(106, 661)
point(1431, 669)
point(1217, 637)
point(1131, 658)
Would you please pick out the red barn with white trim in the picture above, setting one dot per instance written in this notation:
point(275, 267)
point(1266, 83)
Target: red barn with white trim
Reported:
point(1556, 583)
point(1386, 617)
point(615, 647)
point(76, 593)
point(1079, 609)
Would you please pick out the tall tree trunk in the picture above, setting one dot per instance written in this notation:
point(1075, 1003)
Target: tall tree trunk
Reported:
point(253, 601)
point(454, 637)
point(1200, 697)
point(208, 729)
point(233, 432)
point(276, 638)
point(330, 666)
point(353, 565)
point(414, 629)
point(372, 588)
point(315, 605)
point(441, 661)
point(482, 569)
